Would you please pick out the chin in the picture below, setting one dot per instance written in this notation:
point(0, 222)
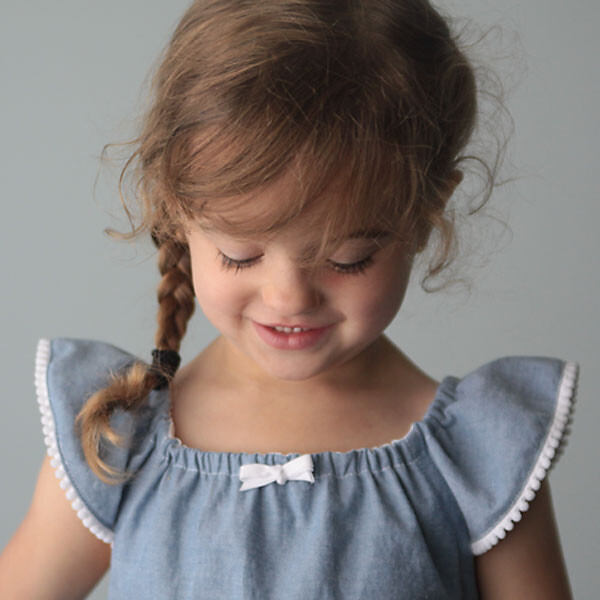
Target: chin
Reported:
point(292, 368)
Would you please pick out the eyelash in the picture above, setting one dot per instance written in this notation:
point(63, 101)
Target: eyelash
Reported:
point(345, 269)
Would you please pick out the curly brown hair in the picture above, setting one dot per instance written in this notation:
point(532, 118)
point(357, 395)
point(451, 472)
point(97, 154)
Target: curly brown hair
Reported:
point(371, 99)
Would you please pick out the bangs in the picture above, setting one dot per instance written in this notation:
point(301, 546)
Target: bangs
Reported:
point(332, 186)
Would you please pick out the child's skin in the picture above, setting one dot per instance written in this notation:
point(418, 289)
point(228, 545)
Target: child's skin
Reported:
point(339, 394)
point(355, 389)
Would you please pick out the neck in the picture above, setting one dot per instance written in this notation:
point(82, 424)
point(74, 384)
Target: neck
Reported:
point(360, 372)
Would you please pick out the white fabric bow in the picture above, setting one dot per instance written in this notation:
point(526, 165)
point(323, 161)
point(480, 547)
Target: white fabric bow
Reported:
point(256, 475)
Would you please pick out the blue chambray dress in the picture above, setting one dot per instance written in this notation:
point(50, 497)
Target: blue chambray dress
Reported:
point(402, 520)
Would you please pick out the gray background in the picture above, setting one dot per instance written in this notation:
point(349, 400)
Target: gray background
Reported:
point(71, 75)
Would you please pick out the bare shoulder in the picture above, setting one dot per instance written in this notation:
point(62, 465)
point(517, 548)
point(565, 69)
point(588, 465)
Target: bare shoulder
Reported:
point(52, 554)
point(528, 563)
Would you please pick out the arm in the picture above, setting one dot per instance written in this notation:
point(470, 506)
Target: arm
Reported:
point(52, 555)
point(528, 563)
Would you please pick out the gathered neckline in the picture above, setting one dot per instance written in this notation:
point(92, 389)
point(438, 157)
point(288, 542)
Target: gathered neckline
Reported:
point(400, 450)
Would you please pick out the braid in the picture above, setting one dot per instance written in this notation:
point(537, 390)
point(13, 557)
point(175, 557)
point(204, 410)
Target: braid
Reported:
point(175, 293)
point(129, 389)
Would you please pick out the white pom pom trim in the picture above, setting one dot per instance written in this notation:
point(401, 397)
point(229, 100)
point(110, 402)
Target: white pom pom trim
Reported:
point(553, 446)
point(42, 359)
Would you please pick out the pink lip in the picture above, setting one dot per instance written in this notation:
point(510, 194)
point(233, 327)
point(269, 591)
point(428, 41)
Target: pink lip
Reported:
point(301, 325)
point(291, 341)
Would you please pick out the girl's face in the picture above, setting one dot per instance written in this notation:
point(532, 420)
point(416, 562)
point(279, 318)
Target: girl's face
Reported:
point(245, 287)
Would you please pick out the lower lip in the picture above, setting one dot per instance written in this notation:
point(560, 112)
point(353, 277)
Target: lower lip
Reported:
point(291, 341)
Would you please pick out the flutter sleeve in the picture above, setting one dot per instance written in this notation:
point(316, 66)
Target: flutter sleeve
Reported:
point(498, 432)
point(67, 372)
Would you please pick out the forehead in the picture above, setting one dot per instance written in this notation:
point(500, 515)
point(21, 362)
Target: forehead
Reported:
point(287, 208)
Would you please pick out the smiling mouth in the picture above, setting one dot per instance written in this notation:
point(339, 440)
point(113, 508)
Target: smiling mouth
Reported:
point(289, 329)
point(293, 328)
point(289, 338)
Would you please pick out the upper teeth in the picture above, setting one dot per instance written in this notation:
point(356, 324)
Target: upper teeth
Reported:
point(289, 329)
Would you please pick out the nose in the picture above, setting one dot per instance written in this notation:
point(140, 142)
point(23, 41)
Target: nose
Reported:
point(291, 291)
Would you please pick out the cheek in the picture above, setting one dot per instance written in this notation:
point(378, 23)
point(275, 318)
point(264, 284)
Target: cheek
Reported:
point(376, 300)
point(215, 291)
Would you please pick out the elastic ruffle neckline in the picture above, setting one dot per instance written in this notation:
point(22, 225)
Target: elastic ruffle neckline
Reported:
point(397, 452)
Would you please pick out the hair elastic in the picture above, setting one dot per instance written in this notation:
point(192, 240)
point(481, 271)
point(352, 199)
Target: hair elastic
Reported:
point(164, 365)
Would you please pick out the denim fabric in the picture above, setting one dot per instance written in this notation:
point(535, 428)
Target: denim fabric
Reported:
point(395, 521)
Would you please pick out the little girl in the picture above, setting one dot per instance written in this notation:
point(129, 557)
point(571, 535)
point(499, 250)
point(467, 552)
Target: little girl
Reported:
point(297, 158)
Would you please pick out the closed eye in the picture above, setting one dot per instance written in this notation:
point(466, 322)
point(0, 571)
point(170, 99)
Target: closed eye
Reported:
point(230, 263)
point(344, 268)
point(353, 268)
